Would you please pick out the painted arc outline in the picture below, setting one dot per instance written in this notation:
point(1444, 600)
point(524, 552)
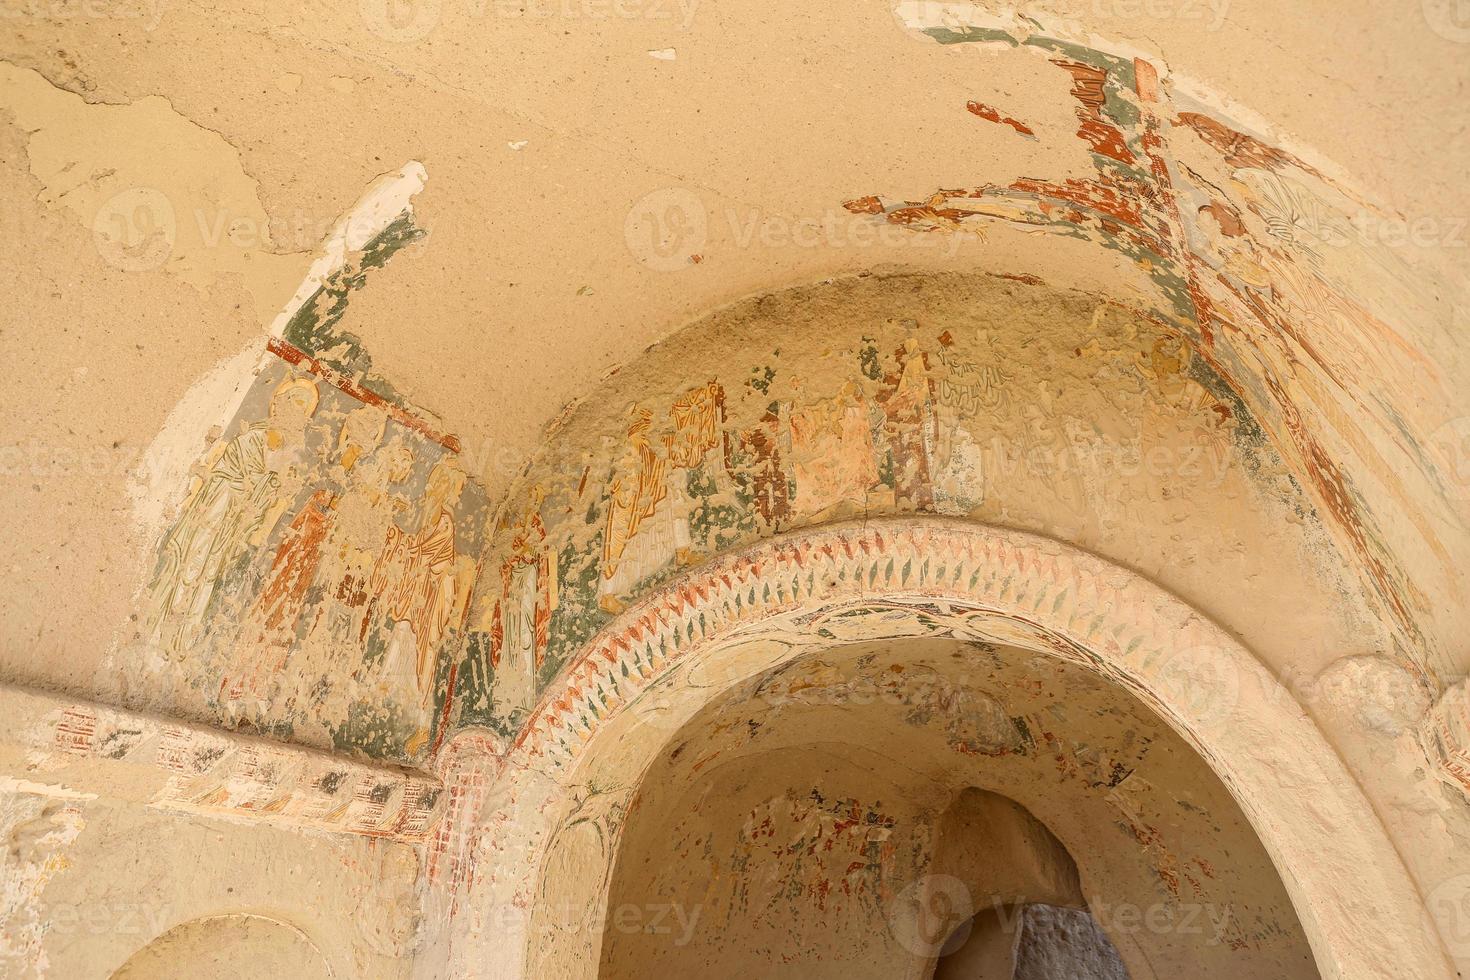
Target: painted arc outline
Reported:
point(1360, 910)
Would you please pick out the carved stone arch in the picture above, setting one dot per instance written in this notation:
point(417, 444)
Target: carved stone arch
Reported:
point(598, 727)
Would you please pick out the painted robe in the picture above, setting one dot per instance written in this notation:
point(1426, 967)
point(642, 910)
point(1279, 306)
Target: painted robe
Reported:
point(832, 454)
point(698, 416)
point(647, 521)
point(764, 476)
point(528, 596)
point(909, 426)
point(269, 634)
point(417, 583)
point(224, 512)
point(356, 540)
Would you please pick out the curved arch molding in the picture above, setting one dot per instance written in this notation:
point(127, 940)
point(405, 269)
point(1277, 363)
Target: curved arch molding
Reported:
point(905, 577)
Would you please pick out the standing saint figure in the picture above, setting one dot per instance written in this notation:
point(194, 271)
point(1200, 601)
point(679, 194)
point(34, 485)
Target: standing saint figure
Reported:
point(909, 425)
point(234, 502)
point(269, 635)
point(647, 516)
point(832, 453)
point(423, 583)
point(763, 474)
point(522, 624)
point(699, 424)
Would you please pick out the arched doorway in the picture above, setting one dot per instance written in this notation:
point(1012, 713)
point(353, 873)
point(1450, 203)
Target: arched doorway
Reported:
point(561, 798)
point(826, 819)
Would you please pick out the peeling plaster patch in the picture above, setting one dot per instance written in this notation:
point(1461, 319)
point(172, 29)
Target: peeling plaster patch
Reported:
point(207, 407)
point(662, 54)
point(9, 784)
point(992, 114)
point(386, 199)
point(518, 144)
point(35, 832)
point(1141, 203)
point(192, 211)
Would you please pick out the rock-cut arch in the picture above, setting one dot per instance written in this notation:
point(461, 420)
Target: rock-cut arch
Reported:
point(552, 809)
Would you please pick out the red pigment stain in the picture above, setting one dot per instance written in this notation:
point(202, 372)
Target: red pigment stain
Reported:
point(1228, 219)
point(992, 114)
point(299, 358)
point(1240, 149)
point(1087, 88)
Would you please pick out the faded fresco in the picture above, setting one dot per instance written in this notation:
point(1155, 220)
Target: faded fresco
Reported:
point(772, 864)
point(333, 531)
point(908, 418)
point(1263, 351)
point(1273, 272)
point(320, 564)
point(317, 570)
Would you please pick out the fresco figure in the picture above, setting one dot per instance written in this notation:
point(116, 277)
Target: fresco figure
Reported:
point(528, 597)
point(270, 627)
point(647, 523)
point(763, 474)
point(699, 424)
point(231, 507)
point(832, 452)
point(270, 634)
point(908, 406)
point(422, 583)
point(970, 386)
point(965, 389)
point(365, 513)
